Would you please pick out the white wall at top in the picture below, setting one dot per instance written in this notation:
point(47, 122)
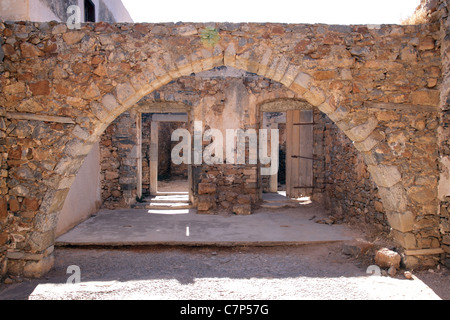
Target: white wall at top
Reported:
point(119, 11)
point(116, 7)
point(35, 10)
point(39, 12)
point(14, 10)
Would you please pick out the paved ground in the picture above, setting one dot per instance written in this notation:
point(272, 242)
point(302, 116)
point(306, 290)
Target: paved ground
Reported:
point(145, 227)
point(221, 273)
point(317, 269)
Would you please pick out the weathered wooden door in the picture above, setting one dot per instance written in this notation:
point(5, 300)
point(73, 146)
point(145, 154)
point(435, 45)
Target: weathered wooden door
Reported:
point(299, 153)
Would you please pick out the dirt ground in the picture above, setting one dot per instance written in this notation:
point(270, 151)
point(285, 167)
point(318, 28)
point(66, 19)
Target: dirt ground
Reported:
point(317, 272)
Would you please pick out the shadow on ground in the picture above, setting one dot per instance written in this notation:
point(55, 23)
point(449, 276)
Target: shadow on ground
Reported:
point(297, 272)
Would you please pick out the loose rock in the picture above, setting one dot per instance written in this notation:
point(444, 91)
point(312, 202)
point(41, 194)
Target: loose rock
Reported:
point(386, 258)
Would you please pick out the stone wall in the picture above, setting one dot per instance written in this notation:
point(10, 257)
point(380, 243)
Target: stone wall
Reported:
point(444, 130)
point(222, 99)
point(118, 154)
point(437, 11)
point(60, 89)
point(339, 170)
point(351, 194)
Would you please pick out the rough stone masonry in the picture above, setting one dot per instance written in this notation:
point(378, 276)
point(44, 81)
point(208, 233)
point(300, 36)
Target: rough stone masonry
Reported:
point(385, 88)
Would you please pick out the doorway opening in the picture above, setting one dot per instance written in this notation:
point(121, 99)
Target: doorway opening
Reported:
point(89, 11)
point(276, 182)
point(161, 175)
point(294, 179)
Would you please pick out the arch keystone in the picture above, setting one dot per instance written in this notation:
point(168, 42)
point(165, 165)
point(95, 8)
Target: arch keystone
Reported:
point(229, 57)
point(290, 75)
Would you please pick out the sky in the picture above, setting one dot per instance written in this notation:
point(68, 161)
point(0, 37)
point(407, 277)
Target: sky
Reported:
point(281, 11)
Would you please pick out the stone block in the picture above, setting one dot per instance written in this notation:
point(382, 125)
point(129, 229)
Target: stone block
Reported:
point(403, 222)
point(205, 203)
point(406, 240)
point(385, 176)
point(369, 143)
point(394, 198)
point(3, 209)
point(206, 188)
point(230, 56)
point(386, 258)
point(337, 115)
point(39, 241)
point(301, 83)
point(422, 194)
point(109, 102)
point(426, 44)
point(29, 50)
point(40, 88)
point(314, 96)
point(124, 91)
point(426, 97)
point(73, 37)
point(244, 199)
point(362, 131)
point(37, 269)
point(324, 75)
point(290, 75)
point(242, 209)
point(231, 196)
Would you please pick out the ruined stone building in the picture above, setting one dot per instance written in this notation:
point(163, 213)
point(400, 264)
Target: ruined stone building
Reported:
point(87, 118)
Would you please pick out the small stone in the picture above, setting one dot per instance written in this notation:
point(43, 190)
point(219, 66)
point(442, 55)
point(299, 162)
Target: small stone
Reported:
point(205, 203)
point(29, 50)
point(351, 250)
point(9, 281)
point(408, 275)
point(40, 88)
point(116, 193)
point(392, 271)
point(244, 199)
point(206, 188)
point(73, 37)
point(242, 209)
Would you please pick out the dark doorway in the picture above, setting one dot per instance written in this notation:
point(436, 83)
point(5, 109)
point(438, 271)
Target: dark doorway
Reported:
point(89, 11)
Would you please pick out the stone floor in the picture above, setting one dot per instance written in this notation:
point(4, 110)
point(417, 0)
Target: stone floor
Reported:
point(174, 226)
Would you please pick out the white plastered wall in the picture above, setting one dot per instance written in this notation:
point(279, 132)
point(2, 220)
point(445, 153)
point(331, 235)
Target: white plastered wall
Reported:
point(84, 198)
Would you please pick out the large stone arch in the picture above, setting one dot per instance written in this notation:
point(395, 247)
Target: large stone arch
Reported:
point(77, 82)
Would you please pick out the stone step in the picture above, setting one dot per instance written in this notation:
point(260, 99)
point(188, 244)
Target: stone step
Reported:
point(279, 205)
point(278, 201)
point(162, 205)
point(168, 199)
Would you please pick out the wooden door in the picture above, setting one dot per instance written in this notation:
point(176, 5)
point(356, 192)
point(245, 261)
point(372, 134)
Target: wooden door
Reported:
point(299, 153)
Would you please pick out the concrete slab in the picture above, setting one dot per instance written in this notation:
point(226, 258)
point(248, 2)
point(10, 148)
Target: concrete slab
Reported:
point(184, 227)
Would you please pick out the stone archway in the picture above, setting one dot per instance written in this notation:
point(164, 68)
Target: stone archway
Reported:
point(63, 88)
